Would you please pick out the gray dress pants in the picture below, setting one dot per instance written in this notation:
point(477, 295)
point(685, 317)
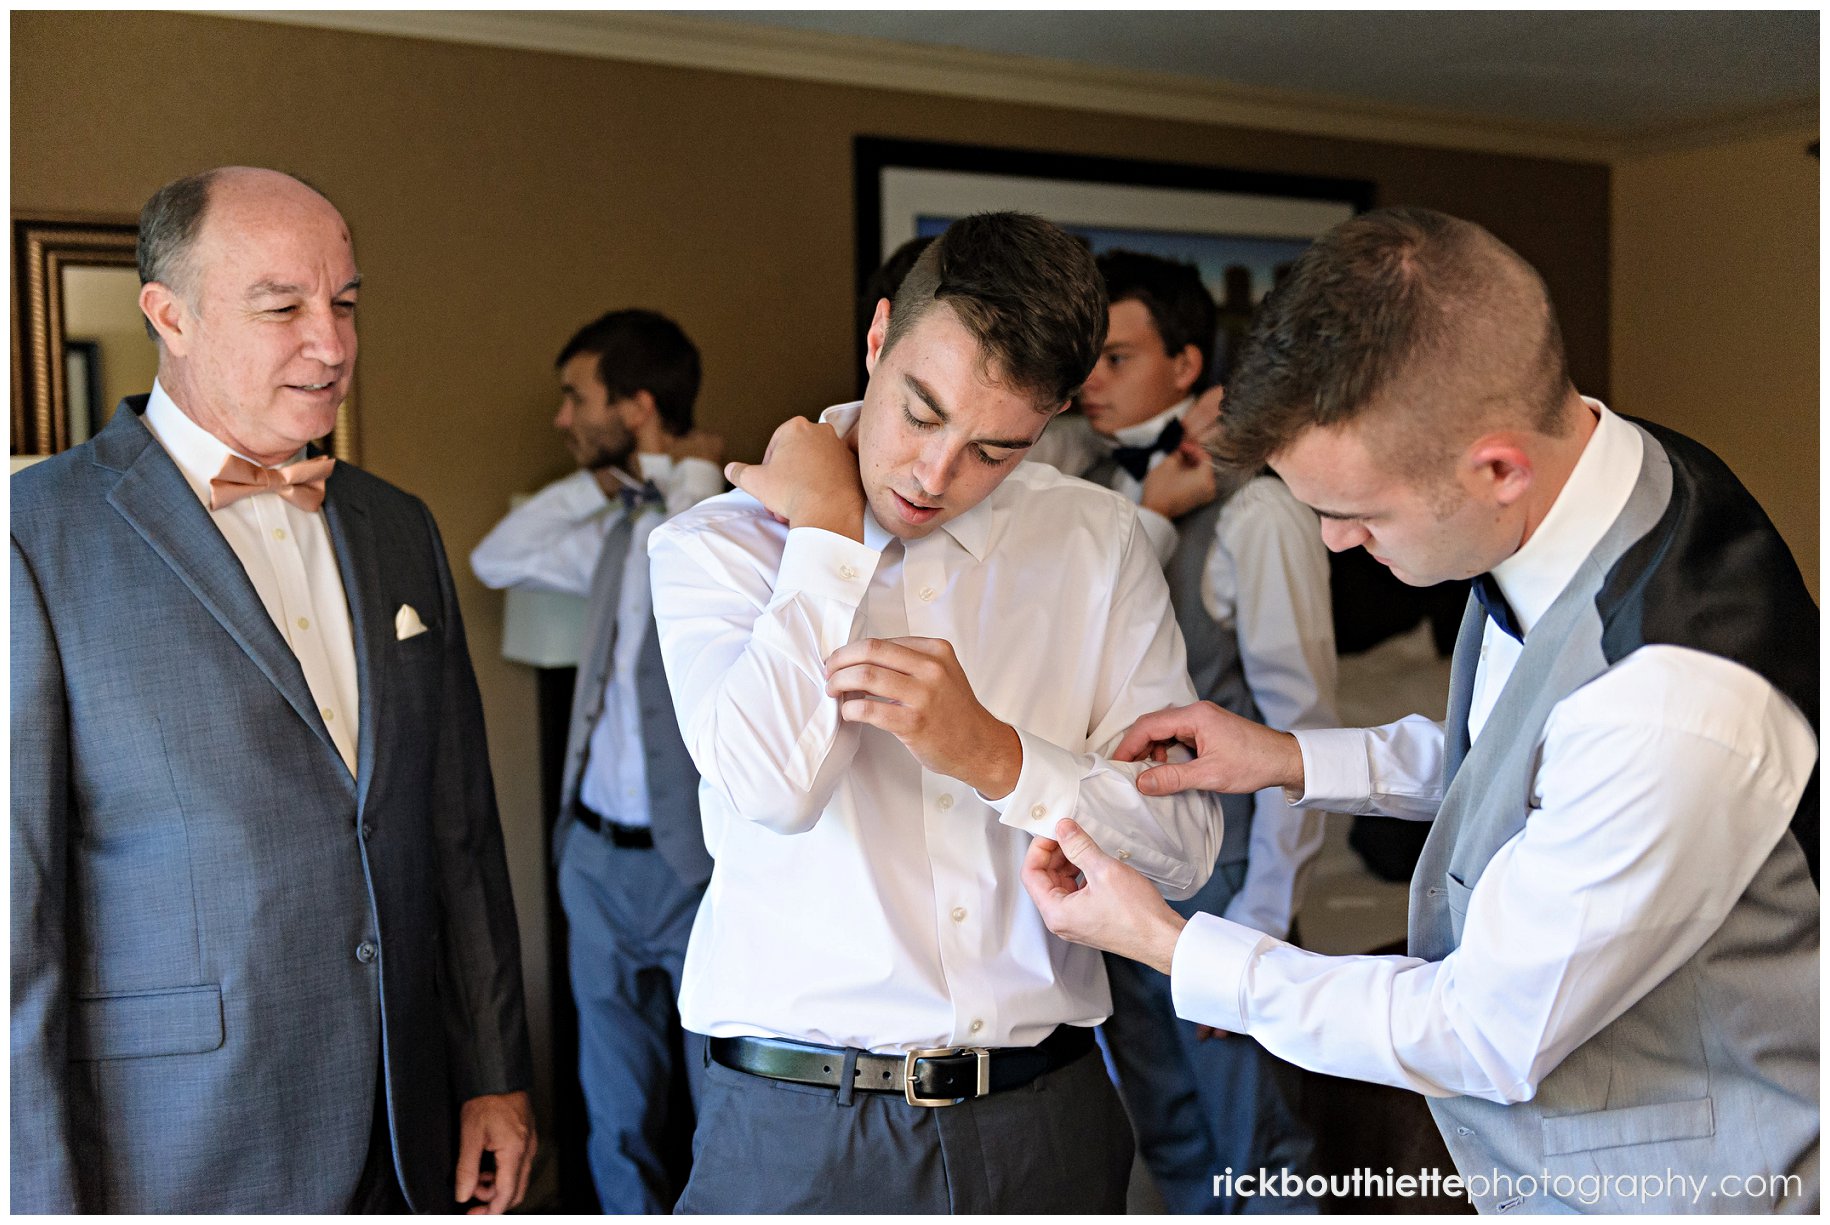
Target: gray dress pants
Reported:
point(1058, 1144)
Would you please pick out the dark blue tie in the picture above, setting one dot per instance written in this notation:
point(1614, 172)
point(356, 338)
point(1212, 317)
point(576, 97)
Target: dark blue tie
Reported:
point(633, 497)
point(1488, 594)
point(1136, 460)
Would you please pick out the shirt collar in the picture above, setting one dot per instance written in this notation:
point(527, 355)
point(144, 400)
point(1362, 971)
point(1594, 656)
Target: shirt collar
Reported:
point(1585, 508)
point(198, 453)
point(971, 530)
point(1145, 432)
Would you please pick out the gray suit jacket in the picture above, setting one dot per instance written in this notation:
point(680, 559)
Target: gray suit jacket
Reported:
point(218, 937)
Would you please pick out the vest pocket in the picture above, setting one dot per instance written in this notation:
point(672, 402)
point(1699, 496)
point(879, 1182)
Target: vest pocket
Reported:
point(1456, 895)
point(171, 1021)
point(1649, 1124)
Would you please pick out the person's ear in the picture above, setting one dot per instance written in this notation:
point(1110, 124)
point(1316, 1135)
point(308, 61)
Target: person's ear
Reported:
point(638, 410)
point(1499, 467)
point(873, 339)
point(1186, 367)
point(169, 316)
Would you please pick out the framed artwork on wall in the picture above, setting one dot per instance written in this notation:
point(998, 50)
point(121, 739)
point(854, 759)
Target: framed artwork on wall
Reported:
point(1240, 228)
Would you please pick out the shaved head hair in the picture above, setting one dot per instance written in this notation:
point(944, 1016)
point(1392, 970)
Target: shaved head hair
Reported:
point(1422, 327)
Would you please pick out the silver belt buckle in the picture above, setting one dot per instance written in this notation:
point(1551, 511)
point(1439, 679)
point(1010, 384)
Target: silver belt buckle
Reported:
point(908, 1073)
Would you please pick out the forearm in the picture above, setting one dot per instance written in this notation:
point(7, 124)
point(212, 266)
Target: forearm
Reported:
point(485, 1014)
point(1389, 771)
point(550, 542)
point(746, 663)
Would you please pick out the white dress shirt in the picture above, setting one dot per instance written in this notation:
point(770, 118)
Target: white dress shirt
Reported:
point(858, 899)
point(552, 542)
point(1662, 786)
point(289, 559)
point(1266, 578)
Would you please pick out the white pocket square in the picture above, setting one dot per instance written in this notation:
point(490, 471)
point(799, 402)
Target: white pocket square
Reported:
point(407, 623)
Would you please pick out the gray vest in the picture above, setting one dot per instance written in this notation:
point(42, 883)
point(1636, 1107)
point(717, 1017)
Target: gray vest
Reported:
point(673, 783)
point(1711, 1074)
point(1213, 653)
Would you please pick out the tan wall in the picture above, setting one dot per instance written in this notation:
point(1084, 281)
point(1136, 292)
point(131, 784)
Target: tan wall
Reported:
point(1715, 314)
point(501, 198)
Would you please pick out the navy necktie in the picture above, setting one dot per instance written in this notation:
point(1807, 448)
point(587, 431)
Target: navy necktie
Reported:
point(635, 498)
point(1136, 460)
point(1488, 594)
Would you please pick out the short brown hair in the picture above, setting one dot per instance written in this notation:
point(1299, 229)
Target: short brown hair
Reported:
point(1400, 298)
point(1027, 291)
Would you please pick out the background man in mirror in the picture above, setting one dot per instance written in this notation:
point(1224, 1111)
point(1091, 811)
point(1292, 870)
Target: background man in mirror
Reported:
point(631, 854)
point(263, 949)
point(1613, 926)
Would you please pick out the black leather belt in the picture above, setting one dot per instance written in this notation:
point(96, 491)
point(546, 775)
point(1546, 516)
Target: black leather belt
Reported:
point(630, 837)
point(943, 1076)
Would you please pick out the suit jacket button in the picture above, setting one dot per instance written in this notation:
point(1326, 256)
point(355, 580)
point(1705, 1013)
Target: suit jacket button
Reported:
point(365, 952)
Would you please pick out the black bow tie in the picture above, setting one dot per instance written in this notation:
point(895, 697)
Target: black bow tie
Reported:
point(1488, 594)
point(634, 497)
point(1136, 460)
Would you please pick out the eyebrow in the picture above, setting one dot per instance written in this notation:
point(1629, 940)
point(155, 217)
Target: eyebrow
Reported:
point(934, 406)
point(283, 288)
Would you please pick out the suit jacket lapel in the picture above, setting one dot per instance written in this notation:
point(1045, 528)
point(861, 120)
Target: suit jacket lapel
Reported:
point(153, 496)
point(352, 539)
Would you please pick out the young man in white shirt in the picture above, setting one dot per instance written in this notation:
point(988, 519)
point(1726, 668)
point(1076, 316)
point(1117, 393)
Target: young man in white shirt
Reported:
point(630, 854)
point(1613, 926)
point(898, 654)
point(1248, 577)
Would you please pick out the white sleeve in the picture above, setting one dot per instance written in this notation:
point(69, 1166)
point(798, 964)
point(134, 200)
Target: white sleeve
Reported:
point(1662, 787)
point(744, 638)
point(1173, 840)
point(1272, 546)
point(1389, 771)
point(550, 542)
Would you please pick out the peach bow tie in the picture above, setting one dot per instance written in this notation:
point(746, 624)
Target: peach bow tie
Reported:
point(301, 484)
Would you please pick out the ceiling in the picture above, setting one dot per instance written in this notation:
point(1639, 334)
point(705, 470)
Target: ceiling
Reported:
point(1615, 74)
point(1585, 86)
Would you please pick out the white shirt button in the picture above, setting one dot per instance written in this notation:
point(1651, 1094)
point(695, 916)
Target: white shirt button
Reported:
point(977, 1025)
point(847, 571)
point(1038, 812)
point(279, 533)
point(944, 802)
point(1123, 855)
point(304, 623)
point(927, 595)
point(328, 714)
point(959, 914)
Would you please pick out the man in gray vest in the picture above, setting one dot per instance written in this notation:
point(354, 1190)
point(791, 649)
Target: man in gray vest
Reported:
point(632, 859)
point(1612, 992)
point(1248, 578)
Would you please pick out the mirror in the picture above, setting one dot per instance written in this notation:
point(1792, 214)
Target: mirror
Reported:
point(79, 342)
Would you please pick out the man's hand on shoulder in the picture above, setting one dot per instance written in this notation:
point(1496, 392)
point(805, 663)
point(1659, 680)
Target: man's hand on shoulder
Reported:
point(808, 478)
point(915, 689)
point(503, 1125)
point(1233, 756)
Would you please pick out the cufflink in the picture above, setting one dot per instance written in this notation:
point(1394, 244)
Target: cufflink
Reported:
point(407, 623)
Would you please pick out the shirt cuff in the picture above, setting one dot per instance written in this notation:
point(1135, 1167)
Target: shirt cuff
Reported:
point(1207, 973)
point(1337, 774)
point(1160, 532)
point(1048, 787)
point(821, 563)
